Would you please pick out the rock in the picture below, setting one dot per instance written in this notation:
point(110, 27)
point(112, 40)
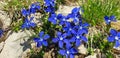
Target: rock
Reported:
point(48, 54)
point(65, 10)
point(82, 49)
point(92, 56)
point(16, 44)
point(116, 25)
point(5, 20)
point(1, 46)
point(2, 4)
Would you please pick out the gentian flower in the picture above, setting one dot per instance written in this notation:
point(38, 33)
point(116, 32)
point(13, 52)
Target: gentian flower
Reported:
point(53, 18)
point(1, 32)
point(75, 15)
point(49, 3)
point(115, 36)
point(75, 10)
point(25, 12)
point(49, 9)
point(61, 39)
point(82, 27)
point(42, 39)
point(109, 19)
point(28, 23)
point(69, 53)
point(77, 38)
point(69, 28)
point(62, 19)
point(34, 7)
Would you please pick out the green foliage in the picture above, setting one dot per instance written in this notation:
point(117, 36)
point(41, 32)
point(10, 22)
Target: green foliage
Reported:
point(95, 10)
point(18, 4)
point(100, 42)
point(60, 1)
point(16, 26)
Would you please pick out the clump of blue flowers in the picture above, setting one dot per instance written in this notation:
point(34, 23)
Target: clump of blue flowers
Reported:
point(28, 22)
point(114, 37)
point(108, 20)
point(71, 35)
point(72, 32)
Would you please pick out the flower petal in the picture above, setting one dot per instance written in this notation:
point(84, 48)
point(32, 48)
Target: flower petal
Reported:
point(77, 42)
point(36, 39)
point(73, 51)
point(62, 52)
point(61, 44)
point(41, 34)
point(45, 43)
point(71, 56)
point(46, 36)
point(113, 32)
point(117, 44)
point(59, 33)
point(111, 38)
point(118, 34)
point(72, 39)
point(68, 45)
point(55, 40)
point(39, 44)
point(75, 10)
point(85, 25)
point(113, 18)
point(84, 39)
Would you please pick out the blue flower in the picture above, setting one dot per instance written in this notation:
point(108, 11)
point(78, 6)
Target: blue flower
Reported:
point(115, 36)
point(82, 27)
point(53, 18)
point(75, 10)
point(69, 53)
point(1, 32)
point(49, 9)
point(25, 12)
point(28, 23)
point(77, 38)
point(69, 28)
point(109, 19)
point(75, 15)
point(62, 19)
point(49, 3)
point(34, 7)
point(61, 39)
point(42, 39)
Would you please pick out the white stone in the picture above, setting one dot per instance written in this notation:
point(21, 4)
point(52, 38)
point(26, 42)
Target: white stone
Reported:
point(5, 19)
point(1, 45)
point(92, 56)
point(65, 10)
point(82, 49)
point(16, 44)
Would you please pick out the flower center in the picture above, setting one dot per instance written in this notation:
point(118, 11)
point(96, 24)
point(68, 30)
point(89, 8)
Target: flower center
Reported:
point(116, 38)
point(41, 39)
point(77, 37)
point(55, 18)
point(68, 52)
point(109, 20)
point(61, 38)
point(70, 29)
point(80, 27)
point(64, 19)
